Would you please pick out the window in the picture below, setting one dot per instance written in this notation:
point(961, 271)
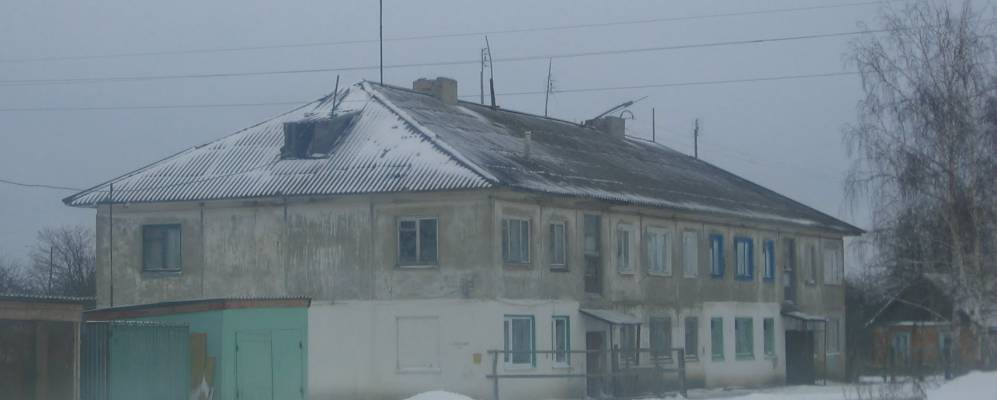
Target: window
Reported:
point(516, 241)
point(624, 263)
point(519, 341)
point(717, 338)
point(562, 341)
point(417, 241)
point(629, 344)
point(812, 260)
point(745, 249)
point(717, 255)
point(744, 338)
point(768, 327)
point(661, 337)
point(161, 247)
point(901, 348)
point(768, 255)
point(659, 252)
point(833, 336)
point(692, 337)
point(833, 266)
point(593, 254)
point(690, 254)
point(558, 245)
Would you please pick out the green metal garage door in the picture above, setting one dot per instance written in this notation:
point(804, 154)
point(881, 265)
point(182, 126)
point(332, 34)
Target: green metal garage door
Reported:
point(269, 365)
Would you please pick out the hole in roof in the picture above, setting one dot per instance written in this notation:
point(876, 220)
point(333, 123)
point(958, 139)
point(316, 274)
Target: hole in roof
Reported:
point(316, 138)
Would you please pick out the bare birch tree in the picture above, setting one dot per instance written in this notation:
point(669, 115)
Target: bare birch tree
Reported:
point(64, 261)
point(924, 148)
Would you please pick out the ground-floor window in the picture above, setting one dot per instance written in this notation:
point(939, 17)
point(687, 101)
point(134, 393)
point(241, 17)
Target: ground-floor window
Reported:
point(834, 336)
point(768, 328)
point(629, 343)
point(519, 340)
point(744, 338)
point(562, 341)
point(661, 337)
point(717, 338)
point(692, 337)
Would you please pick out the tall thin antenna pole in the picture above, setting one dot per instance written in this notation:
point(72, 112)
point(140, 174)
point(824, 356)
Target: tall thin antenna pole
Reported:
point(695, 138)
point(110, 240)
point(481, 77)
point(654, 127)
point(380, 34)
point(491, 71)
point(550, 61)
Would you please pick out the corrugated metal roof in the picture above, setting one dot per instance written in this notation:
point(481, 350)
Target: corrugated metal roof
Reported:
point(40, 298)
point(410, 141)
point(382, 153)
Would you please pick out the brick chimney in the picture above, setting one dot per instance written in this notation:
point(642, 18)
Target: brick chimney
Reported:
point(444, 89)
point(610, 125)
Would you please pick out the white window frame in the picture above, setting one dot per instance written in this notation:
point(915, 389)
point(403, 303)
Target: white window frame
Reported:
point(624, 251)
point(554, 262)
point(659, 251)
point(690, 259)
point(418, 244)
point(509, 359)
point(555, 338)
point(507, 240)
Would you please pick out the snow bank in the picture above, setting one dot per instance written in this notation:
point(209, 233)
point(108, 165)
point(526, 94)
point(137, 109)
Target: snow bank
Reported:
point(439, 395)
point(975, 385)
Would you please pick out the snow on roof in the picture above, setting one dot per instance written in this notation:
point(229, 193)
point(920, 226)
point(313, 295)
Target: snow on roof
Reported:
point(410, 141)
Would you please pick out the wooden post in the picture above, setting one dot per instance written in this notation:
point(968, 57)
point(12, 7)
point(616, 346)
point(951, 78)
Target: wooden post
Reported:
point(495, 378)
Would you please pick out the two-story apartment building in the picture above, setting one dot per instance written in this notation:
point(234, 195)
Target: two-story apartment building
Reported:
point(428, 231)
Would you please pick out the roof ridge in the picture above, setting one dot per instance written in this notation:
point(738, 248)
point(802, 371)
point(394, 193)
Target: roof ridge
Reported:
point(429, 134)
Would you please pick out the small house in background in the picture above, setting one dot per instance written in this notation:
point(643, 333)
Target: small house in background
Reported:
point(917, 332)
point(39, 346)
point(246, 348)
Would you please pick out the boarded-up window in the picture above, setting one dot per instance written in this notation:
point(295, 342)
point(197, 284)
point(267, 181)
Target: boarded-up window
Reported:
point(418, 343)
point(161, 247)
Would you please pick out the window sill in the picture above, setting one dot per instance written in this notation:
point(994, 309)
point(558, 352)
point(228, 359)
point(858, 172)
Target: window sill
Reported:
point(714, 276)
point(512, 265)
point(770, 357)
point(690, 359)
point(418, 266)
point(160, 274)
point(630, 272)
point(717, 358)
point(518, 367)
point(559, 268)
point(561, 366)
point(418, 371)
point(745, 278)
point(768, 280)
point(745, 358)
point(659, 274)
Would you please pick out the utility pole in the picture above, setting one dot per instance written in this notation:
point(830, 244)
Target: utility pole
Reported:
point(481, 75)
point(380, 34)
point(491, 71)
point(110, 240)
point(51, 252)
point(550, 85)
point(695, 138)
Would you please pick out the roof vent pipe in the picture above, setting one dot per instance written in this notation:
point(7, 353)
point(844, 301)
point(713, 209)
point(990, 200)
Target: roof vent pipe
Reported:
point(444, 89)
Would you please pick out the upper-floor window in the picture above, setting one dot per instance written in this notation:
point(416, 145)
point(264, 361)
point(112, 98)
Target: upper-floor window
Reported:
point(744, 248)
point(659, 252)
point(516, 241)
point(717, 255)
point(812, 263)
point(417, 241)
point(690, 254)
point(624, 238)
point(161, 247)
point(834, 270)
point(593, 249)
point(768, 255)
point(558, 245)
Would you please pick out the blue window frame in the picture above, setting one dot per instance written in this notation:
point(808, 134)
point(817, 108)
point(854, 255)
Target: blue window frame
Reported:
point(744, 252)
point(717, 255)
point(768, 253)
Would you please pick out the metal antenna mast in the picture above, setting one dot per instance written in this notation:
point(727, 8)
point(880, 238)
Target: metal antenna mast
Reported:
point(380, 34)
point(550, 85)
point(491, 71)
point(695, 138)
point(481, 75)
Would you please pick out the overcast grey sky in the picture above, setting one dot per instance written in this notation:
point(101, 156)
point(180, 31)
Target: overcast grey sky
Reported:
point(783, 134)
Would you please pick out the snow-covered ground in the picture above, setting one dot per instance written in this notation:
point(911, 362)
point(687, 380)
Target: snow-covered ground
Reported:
point(976, 385)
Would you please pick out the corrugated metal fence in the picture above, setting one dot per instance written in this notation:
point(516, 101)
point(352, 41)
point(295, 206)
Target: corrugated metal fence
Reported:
point(134, 360)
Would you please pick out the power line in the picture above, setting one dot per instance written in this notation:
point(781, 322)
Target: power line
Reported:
point(56, 81)
point(38, 185)
point(445, 35)
point(519, 93)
